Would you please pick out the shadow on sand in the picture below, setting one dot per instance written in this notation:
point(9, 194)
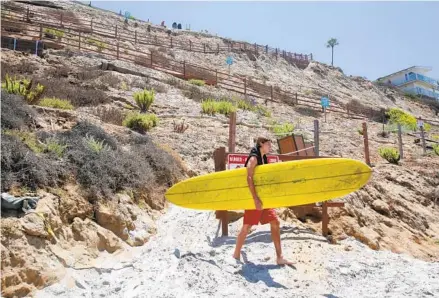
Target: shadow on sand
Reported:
point(254, 273)
point(265, 237)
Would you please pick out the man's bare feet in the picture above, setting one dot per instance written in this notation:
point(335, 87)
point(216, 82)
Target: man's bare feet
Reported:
point(282, 261)
point(237, 257)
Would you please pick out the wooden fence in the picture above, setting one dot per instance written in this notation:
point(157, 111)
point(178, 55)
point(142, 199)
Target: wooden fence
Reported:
point(61, 20)
point(249, 87)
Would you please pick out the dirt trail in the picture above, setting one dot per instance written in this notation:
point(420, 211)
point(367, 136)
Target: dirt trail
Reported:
point(186, 259)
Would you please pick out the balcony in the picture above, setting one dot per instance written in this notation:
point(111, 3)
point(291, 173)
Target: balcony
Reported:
point(418, 77)
point(422, 91)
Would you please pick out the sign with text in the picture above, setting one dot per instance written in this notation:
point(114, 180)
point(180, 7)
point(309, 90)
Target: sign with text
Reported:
point(229, 60)
point(237, 160)
point(325, 102)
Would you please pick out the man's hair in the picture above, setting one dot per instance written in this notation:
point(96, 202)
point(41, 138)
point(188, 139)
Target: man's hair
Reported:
point(261, 140)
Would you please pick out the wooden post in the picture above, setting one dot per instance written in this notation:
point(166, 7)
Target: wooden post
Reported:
point(41, 31)
point(217, 48)
point(266, 49)
point(27, 15)
point(91, 25)
point(216, 77)
point(325, 219)
point(424, 147)
point(171, 41)
point(220, 165)
point(151, 59)
point(79, 46)
point(115, 32)
point(204, 45)
point(366, 144)
point(271, 89)
point(232, 132)
point(190, 45)
point(401, 153)
point(135, 37)
point(316, 137)
point(297, 100)
point(184, 69)
point(117, 49)
point(245, 86)
point(256, 48)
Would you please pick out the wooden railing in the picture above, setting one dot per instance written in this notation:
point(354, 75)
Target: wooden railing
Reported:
point(85, 41)
point(60, 20)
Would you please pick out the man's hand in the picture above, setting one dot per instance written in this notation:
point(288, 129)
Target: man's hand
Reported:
point(258, 203)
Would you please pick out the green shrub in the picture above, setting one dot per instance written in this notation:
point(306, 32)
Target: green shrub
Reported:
point(22, 87)
point(436, 148)
point(390, 154)
point(427, 127)
point(28, 138)
point(52, 146)
point(398, 116)
point(144, 99)
point(21, 167)
point(263, 111)
point(225, 107)
point(99, 44)
point(208, 107)
point(211, 107)
point(95, 145)
point(53, 32)
point(140, 122)
point(56, 103)
point(132, 18)
point(245, 105)
point(197, 82)
point(283, 129)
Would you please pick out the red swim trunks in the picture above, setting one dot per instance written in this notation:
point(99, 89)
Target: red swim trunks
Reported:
point(253, 217)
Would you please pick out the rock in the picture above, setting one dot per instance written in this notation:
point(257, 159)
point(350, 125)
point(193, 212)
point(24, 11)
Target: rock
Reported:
point(33, 225)
point(71, 205)
point(95, 236)
point(381, 207)
point(111, 218)
point(348, 248)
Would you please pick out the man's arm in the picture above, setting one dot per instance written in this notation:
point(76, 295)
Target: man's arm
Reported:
point(251, 165)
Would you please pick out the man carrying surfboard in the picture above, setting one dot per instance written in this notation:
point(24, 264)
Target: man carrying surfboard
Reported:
point(257, 157)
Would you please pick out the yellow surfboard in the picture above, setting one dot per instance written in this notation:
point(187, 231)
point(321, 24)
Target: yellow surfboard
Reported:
point(280, 184)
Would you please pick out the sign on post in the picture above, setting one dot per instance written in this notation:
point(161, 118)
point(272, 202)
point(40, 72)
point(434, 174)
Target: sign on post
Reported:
point(325, 104)
point(229, 62)
point(236, 161)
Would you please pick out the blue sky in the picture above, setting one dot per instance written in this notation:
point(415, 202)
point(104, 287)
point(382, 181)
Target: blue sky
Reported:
point(376, 38)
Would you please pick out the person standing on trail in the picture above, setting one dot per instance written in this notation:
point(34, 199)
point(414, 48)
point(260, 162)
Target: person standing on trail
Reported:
point(257, 157)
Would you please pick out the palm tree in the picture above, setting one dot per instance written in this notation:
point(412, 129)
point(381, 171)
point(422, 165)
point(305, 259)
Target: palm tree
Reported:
point(331, 44)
